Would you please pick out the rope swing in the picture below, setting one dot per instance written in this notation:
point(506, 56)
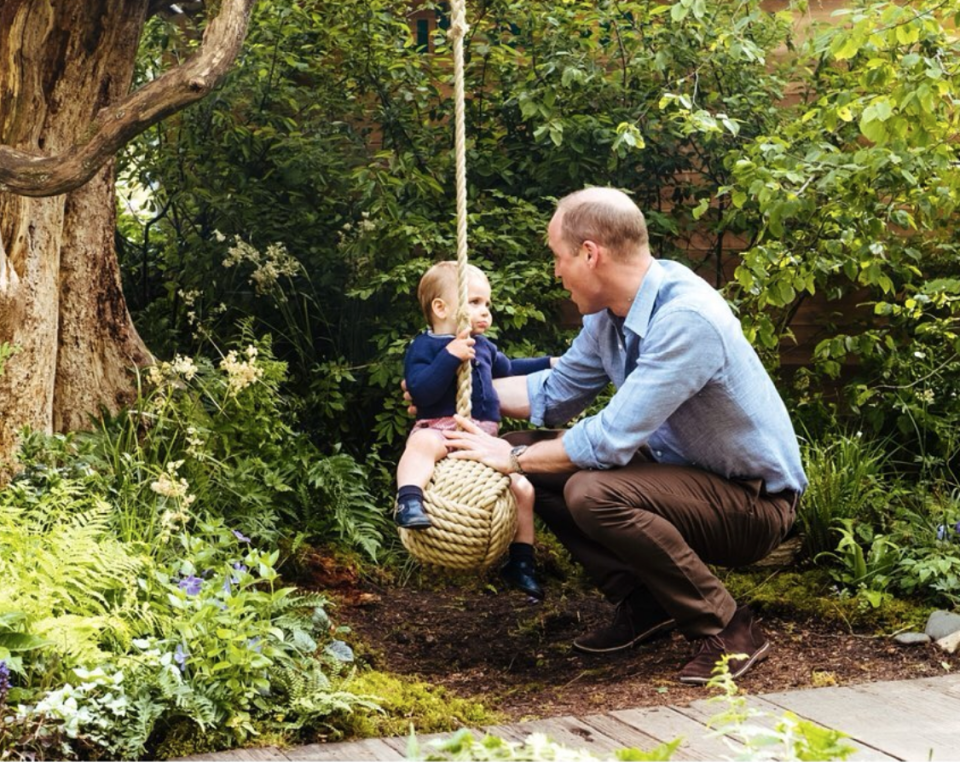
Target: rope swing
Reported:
point(471, 506)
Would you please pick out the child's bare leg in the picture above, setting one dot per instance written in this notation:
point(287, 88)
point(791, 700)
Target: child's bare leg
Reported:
point(520, 569)
point(522, 491)
point(424, 448)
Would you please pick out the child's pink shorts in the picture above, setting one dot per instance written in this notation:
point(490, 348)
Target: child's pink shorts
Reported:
point(448, 423)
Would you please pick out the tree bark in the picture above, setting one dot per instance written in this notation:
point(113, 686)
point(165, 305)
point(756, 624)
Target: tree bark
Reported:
point(66, 68)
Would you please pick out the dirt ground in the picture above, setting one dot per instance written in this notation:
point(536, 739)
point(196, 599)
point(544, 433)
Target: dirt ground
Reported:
point(515, 654)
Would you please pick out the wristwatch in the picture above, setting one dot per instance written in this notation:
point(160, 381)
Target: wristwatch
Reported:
point(515, 454)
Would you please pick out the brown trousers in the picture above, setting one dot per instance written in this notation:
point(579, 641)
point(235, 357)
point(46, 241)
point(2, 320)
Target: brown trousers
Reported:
point(649, 530)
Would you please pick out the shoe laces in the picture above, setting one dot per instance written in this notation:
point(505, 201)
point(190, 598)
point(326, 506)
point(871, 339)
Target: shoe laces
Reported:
point(710, 642)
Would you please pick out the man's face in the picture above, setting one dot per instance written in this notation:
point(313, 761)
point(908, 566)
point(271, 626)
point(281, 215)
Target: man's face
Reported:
point(572, 268)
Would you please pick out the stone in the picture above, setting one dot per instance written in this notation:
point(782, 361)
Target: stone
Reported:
point(950, 643)
point(942, 623)
point(912, 638)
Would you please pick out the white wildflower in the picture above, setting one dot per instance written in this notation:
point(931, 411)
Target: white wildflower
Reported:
point(184, 366)
point(240, 373)
point(220, 237)
point(195, 442)
point(155, 375)
point(189, 297)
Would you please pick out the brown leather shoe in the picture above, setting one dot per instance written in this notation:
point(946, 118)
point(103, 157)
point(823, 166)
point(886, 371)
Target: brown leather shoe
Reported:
point(629, 628)
point(742, 636)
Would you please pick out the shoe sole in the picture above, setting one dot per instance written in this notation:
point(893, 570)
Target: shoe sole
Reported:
point(416, 525)
point(653, 633)
point(759, 655)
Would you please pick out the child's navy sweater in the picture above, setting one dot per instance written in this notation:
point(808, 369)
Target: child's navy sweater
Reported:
point(431, 374)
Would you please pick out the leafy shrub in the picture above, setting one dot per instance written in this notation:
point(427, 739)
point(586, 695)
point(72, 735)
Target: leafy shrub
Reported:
point(846, 482)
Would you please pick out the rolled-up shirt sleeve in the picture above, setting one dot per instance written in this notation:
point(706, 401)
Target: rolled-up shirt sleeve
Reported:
point(681, 353)
point(564, 392)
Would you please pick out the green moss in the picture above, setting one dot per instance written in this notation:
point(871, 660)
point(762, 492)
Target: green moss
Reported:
point(406, 702)
point(811, 594)
point(185, 738)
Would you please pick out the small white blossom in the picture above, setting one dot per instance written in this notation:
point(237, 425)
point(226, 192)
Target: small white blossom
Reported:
point(189, 297)
point(241, 373)
point(184, 366)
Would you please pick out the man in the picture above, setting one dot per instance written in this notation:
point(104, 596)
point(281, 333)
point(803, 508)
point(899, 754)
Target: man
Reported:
point(692, 462)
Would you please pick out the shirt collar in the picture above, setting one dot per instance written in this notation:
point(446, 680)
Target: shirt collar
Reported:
point(638, 318)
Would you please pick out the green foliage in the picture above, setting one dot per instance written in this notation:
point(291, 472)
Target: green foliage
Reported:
point(221, 442)
point(791, 738)
point(846, 482)
point(813, 594)
point(70, 588)
point(853, 198)
point(869, 573)
point(135, 597)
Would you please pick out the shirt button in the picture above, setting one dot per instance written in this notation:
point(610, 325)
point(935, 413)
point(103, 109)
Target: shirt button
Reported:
point(659, 453)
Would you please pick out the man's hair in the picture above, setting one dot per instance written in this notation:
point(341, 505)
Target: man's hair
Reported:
point(440, 282)
point(604, 215)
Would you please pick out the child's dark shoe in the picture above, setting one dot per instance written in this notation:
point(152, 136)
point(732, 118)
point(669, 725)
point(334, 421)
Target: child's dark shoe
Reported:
point(521, 574)
point(409, 513)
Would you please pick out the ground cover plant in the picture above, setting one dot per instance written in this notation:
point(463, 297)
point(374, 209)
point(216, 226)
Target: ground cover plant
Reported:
point(162, 592)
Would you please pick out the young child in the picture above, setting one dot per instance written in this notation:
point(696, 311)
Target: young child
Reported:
point(430, 370)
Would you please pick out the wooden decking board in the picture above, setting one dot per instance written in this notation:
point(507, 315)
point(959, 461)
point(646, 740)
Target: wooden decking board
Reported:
point(865, 752)
point(569, 731)
point(948, 685)
point(902, 720)
point(704, 710)
point(367, 750)
point(897, 719)
point(666, 724)
point(626, 734)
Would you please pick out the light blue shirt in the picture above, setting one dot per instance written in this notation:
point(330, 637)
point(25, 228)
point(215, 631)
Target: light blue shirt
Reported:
point(688, 385)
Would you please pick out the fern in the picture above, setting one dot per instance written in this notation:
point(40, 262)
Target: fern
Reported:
point(76, 585)
point(345, 508)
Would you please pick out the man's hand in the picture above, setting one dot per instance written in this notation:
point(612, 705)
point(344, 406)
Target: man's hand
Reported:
point(473, 444)
point(462, 346)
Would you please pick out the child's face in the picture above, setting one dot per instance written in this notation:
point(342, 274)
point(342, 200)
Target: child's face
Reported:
point(478, 308)
point(478, 304)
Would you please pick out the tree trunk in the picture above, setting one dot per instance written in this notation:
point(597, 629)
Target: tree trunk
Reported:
point(60, 298)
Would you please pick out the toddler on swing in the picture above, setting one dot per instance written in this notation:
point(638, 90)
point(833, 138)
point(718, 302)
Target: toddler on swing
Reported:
point(430, 370)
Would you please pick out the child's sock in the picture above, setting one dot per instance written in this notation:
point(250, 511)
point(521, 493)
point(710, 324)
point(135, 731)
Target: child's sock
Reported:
point(521, 551)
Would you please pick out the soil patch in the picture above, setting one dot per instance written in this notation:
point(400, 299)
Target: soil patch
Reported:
point(516, 655)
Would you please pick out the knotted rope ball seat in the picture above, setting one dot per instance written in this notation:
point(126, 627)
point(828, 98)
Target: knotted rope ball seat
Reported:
point(471, 507)
point(474, 517)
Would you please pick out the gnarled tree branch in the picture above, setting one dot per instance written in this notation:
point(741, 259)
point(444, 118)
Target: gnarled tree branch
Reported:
point(28, 174)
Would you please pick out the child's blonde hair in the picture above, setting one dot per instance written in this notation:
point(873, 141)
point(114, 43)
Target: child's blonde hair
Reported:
point(440, 282)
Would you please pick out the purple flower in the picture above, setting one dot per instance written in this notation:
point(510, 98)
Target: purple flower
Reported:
point(191, 585)
point(228, 584)
point(240, 536)
point(180, 656)
point(254, 644)
point(4, 680)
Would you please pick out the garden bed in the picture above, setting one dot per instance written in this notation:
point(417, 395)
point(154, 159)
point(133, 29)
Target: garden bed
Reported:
point(516, 656)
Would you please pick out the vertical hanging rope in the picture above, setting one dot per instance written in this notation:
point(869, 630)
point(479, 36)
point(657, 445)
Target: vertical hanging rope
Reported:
point(473, 511)
point(456, 33)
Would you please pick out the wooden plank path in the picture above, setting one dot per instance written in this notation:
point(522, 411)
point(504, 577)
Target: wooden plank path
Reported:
point(894, 720)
